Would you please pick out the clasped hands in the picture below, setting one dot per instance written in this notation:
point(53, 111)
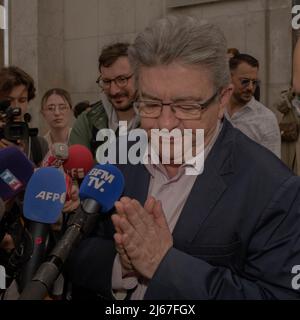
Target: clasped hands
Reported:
point(142, 236)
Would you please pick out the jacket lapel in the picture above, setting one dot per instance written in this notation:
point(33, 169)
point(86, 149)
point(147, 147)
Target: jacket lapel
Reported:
point(207, 189)
point(136, 185)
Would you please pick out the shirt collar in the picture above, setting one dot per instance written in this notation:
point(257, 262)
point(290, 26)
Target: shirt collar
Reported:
point(250, 104)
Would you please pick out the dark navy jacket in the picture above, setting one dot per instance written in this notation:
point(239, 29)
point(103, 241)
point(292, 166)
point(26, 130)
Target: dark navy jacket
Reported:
point(237, 237)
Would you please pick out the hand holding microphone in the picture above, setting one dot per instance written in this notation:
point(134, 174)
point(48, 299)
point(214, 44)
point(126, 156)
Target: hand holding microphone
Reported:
point(73, 200)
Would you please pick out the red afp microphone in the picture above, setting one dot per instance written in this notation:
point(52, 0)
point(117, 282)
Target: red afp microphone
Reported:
point(80, 161)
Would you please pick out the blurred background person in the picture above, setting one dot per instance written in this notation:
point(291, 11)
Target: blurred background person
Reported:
point(296, 65)
point(246, 113)
point(289, 106)
point(17, 87)
point(56, 108)
point(81, 107)
point(117, 91)
point(232, 52)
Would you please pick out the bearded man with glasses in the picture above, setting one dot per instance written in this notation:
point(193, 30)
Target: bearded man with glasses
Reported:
point(118, 92)
point(245, 112)
point(232, 232)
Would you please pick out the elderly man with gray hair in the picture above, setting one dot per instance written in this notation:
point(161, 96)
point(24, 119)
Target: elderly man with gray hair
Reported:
point(231, 232)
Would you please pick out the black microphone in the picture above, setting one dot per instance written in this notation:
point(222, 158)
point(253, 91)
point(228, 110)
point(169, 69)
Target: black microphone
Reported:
point(99, 190)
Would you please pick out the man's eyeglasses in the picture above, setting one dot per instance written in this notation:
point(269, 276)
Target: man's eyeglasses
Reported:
point(52, 108)
point(120, 81)
point(245, 82)
point(182, 110)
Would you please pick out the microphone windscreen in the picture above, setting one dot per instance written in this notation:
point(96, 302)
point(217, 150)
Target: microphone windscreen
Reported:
point(60, 150)
point(80, 161)
point(105, 184)
point(15, 171)
point(45, 195)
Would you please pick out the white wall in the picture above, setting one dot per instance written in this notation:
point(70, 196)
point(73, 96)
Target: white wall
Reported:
point(58, 41)
point(91, 24)
point(261, 28)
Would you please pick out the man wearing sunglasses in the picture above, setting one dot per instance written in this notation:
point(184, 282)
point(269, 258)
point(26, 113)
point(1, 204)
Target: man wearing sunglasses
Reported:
point(116, 83)
point(245, 112)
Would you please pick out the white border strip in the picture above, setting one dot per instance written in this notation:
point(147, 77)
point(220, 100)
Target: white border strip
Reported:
point(6, 34)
